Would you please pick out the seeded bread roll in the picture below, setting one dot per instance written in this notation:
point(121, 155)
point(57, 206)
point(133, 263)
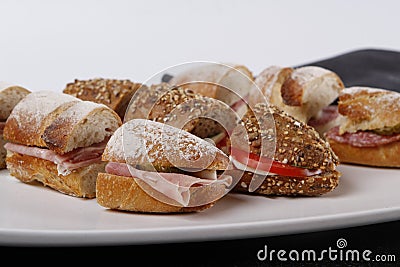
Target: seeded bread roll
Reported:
point(10, 95)
point(162, 148)
point(114, 93)
point(182, 108)
point(295, 144)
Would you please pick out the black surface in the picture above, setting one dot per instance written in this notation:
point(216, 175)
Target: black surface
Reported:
point(371, 67)
point(367, 67)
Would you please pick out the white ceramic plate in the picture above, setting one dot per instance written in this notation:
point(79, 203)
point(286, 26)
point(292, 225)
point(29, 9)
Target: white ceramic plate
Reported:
point(33, 215)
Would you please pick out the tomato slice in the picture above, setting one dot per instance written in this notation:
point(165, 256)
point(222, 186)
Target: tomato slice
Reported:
point(268, 165)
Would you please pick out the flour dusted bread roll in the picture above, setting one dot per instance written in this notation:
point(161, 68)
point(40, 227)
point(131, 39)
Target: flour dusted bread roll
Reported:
point(370, 131)
point(10, 95)
point(157, 168)
point(114, 93)
point(58, 140)
point(306, 93)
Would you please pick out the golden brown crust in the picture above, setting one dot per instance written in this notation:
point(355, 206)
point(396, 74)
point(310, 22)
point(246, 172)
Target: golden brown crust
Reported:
point(277, 185)
point(366, 108)
point(59, 135)
point(379, 156)
point(79, 183)
point(297, 144)
point(292, 92)
point(124, 193)
point(59, 121)
point(114, 93)
point(143, 142)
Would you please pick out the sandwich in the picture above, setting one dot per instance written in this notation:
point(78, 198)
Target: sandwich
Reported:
point(58, 140)
point(10, 95)
point(114, 93)
point(182, 108)
point(229, 83)
point(370, 132)
point(280, 155)
point(307, 93)
point(157, 168)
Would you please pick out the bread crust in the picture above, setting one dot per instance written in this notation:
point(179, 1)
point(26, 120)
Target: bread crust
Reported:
point(124, 193)
point(179, 107)
point(277, 185)
point(79, 183)
point(301, 92)
point(114, 93)
point(297, 143)
point(55, 120)
point(379, 156)
point(33, 114)
point(206, 80)
point(366, 108)
point(152, 142)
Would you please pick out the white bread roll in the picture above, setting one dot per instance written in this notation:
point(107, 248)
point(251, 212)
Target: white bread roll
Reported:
point(226, 82)
point(301, 92)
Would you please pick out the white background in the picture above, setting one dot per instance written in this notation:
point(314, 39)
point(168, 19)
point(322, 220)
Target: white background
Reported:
point(46, 44)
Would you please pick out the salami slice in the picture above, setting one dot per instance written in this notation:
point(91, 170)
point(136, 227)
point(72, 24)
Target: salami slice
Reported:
point(362, 138)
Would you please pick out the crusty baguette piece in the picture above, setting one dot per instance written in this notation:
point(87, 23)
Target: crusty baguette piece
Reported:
point(296, 144)
point(379, 156)
point(366, 108)
point(114, 93)
point(124, 193)
point(79, 183)
point(369, 116)
point(301, 92)
point(217, 80)
point(182, 108)
point(140, 142)
point(59, 121)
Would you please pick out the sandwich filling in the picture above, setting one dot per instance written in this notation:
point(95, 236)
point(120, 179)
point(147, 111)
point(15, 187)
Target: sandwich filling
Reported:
point(175, 186)
point(66, 163)
point(362, 138)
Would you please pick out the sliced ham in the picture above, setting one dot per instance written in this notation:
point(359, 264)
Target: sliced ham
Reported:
point(362, 138)
point(173, 185)
point(80, 157)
